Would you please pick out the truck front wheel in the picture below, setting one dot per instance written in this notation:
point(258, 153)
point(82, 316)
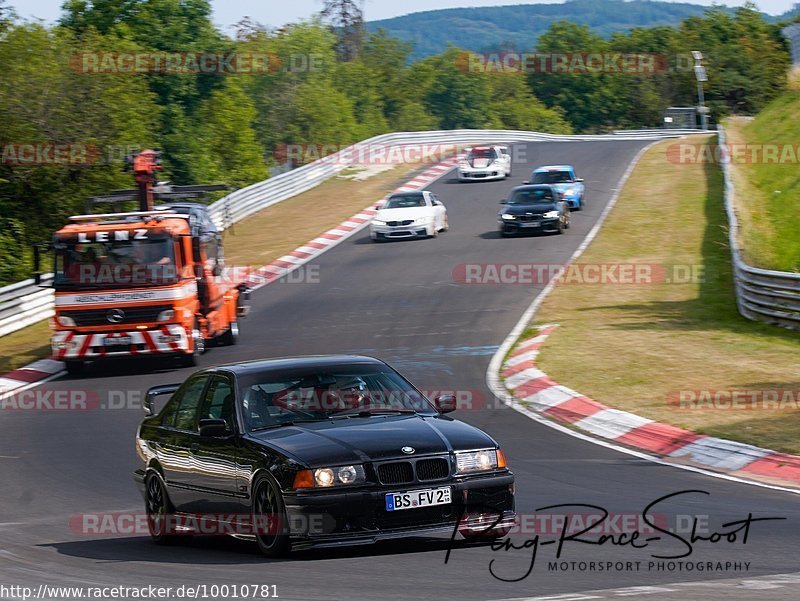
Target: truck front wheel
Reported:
point(198, 347)
point(75, 368)
point(231, 336)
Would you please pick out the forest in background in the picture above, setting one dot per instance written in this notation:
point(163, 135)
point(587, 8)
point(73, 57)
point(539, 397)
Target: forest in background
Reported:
point(337, 83)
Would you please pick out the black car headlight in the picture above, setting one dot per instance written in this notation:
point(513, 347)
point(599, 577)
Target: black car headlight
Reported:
point(483, 460)
point(326, 477)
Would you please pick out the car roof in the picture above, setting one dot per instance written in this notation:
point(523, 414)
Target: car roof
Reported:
point(261, 366)
point(554, 168)
point(411, 194)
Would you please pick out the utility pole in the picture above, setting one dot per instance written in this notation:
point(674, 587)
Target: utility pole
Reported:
point(702, 76)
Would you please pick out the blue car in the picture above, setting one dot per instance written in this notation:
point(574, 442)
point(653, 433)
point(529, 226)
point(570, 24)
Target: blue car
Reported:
point(562, 177)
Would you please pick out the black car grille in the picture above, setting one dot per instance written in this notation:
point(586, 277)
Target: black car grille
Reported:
point(399, 472)
point(396, 223)
point(99, 317)
point(432, 469)
point(404, 472)
point(530, 217)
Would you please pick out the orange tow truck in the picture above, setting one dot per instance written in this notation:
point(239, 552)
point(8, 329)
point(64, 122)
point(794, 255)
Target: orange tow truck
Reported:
point(144, 283)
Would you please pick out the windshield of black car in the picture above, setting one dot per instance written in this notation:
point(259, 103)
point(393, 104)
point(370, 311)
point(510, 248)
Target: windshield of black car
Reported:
point(531, 197)
point(405, 202)
point(319, 395)
point(115, 263)
point(552, 177)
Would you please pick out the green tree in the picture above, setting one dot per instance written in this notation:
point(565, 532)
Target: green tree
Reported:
point(458, 98)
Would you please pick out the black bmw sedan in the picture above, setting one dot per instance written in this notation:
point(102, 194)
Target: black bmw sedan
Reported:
point(533, 208)
point(316, 451)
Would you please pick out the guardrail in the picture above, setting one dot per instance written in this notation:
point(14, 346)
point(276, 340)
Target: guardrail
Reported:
point(24, 303)
point(765, 295)
point(792, 33)
point(243, 203)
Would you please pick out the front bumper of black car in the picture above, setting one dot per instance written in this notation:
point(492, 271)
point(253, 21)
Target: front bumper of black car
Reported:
point(516, 226)
point(336, 518)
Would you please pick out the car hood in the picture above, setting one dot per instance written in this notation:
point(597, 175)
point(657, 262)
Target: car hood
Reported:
point(564, 187)
point(522, 209)
point(479, 163)
point(365, 439)
point(402, 214)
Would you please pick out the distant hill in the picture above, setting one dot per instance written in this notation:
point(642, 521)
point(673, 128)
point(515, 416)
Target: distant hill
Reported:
point(519, 26)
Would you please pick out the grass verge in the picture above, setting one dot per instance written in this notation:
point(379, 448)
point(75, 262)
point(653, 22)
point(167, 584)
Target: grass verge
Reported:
point(768, 188)
point(256, 241)
point(633, 346)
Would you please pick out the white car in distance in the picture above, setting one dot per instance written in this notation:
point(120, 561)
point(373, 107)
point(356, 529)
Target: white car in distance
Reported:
point(409, 215)
point(484, 163)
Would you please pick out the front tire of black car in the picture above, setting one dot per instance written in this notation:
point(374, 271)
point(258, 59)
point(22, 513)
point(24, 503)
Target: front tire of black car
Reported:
point(269, 513)
point(158, 508)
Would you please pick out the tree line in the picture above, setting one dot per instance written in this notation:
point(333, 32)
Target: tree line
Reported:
point(329, 82)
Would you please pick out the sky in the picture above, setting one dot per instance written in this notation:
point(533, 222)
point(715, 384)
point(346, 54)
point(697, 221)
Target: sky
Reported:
point(279, 12)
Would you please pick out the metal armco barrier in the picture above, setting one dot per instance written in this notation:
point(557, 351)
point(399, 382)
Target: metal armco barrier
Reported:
point(243, 203)
point(24, 303)
point(761, 294)
point(792, 33)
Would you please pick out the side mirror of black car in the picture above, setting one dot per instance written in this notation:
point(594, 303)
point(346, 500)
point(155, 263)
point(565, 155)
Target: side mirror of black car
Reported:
point(525, 183)
point(155, 391)
point(445, 403)
point(213, 427)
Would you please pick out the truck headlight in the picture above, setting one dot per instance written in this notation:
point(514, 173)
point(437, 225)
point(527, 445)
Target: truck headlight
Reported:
point(551, 215)
point(483, 460)
point(166, 315)
point(325, 477)
point(65, 321)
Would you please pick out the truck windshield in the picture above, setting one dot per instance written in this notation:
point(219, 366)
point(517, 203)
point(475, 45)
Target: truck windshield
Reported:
point(115, 264)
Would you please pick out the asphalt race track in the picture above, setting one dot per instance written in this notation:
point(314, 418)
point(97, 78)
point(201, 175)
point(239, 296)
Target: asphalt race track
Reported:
point(396, 301)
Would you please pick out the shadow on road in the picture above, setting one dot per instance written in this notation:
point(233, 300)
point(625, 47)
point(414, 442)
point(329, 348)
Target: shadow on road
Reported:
point(222, 550)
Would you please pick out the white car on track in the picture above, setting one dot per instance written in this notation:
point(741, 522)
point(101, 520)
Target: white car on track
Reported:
point(483, 163)
point(409, 215)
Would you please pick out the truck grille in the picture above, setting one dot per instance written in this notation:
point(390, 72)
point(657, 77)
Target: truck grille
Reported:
point(99, 317)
